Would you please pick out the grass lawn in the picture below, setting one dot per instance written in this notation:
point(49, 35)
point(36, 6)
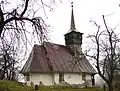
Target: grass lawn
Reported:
point(70, 89)
point(15, 86)
point(6, 85)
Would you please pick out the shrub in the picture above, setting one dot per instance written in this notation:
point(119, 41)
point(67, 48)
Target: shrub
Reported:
point(32, 85)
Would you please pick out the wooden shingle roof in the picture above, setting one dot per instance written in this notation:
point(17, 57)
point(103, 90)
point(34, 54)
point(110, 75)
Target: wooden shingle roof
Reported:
point(51, 57)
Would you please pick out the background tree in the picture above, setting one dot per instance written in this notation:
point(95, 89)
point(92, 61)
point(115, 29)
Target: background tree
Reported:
point(19, 22)
point(105, 52)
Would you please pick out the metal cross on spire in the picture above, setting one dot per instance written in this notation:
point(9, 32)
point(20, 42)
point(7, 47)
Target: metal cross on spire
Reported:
point(71, 4)
point(72, 26)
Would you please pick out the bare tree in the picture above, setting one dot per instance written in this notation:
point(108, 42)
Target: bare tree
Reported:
point(9, 57)
point(14, 32)
point(106, 52)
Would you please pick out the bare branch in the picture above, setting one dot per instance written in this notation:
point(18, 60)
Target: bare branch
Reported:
point(25, 9)
point(106, 52)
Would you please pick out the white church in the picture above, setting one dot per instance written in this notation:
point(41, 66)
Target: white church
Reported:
point(53, 63)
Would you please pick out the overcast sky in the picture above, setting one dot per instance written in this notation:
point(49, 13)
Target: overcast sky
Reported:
point(84, 10)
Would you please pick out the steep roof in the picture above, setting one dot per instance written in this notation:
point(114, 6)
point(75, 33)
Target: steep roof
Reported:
point(51, 57)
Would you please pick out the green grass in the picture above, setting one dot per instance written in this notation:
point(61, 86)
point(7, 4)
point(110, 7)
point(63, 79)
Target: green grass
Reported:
point(15, 86)
point(69, 89)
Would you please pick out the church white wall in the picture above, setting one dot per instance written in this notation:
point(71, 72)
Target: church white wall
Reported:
point(46, 78)
point(76, 78)
point(88, 79)
point(73, 78)
point(56, 78)
point(49, 79)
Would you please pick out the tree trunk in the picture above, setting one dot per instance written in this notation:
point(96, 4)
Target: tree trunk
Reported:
point(110, 86)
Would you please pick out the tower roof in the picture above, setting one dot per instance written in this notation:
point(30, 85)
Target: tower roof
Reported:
point(72, 26)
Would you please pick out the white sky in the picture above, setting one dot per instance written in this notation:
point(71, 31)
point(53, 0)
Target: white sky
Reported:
point(84, 10)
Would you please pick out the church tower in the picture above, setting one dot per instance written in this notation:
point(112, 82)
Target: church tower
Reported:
point(73, 38)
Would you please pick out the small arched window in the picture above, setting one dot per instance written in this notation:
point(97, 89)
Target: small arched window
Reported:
point(61, 77)
point(83, 77)
point(27, 77)
point(78, 35)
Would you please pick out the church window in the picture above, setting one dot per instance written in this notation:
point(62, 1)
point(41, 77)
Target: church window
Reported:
point(68, 36)
point(83, 77)
point(28, 77)
point(61, 77)
point(78, 36)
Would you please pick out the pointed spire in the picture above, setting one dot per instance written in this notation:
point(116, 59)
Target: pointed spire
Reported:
point(72, 27)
